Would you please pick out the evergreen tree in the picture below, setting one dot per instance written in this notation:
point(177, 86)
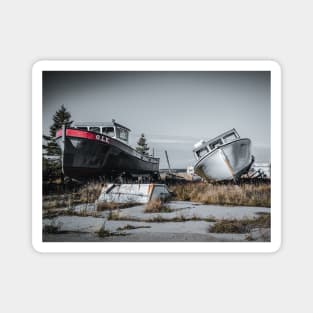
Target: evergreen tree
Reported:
point(142, 146)
point(61, 117)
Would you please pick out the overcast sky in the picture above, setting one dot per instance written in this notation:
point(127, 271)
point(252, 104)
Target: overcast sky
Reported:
point(173, 109)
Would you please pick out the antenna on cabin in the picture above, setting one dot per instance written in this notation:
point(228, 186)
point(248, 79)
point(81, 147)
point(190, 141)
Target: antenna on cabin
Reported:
point(168, 162)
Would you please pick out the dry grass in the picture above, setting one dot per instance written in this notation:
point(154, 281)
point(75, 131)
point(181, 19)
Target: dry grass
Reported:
point(88, 193)
point(157, 206)
point(54, 204)
point(226, 194)
point(82, 213)
point(115, 216)
point(241, 226)
point(178, 218)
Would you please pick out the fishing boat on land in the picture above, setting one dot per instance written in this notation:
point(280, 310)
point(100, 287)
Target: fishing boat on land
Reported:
point(225, 157)
point(102, 150)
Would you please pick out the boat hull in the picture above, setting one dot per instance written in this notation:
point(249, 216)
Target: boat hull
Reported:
point(87, 154)
point(227, 162)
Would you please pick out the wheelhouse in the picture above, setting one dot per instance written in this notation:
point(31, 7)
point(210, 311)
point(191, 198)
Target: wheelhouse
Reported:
point(111, 129)
point(204, 147)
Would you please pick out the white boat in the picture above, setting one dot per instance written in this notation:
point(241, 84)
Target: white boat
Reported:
point(225, 157)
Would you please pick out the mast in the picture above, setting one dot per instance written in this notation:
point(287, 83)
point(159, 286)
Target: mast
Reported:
point(168, 163)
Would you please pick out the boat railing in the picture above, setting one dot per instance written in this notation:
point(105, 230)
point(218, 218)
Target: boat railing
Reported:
point(115, 132)
point(213, 144)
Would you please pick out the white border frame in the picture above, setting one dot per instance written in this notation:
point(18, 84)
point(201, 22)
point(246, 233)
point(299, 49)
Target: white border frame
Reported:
point(145, 65)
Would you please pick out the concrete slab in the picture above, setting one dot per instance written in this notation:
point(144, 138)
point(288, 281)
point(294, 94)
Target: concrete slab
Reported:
point(143, 230)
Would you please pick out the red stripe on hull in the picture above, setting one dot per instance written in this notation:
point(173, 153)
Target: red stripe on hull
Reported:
point(83, 134)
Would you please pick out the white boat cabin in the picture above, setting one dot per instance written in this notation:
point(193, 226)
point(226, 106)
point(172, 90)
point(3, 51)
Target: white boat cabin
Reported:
point(111, 129)
point(204, 147)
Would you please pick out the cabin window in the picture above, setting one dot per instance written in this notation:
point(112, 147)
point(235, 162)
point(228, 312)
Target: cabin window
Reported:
point(202, 152)
point(230, 137)
point(95, 129)
point(122, 134)
point(82, 128)
point(216, 143)
point(109, 131)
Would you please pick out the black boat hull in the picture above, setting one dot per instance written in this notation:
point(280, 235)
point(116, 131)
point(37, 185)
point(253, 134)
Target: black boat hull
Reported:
point(86, 154)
